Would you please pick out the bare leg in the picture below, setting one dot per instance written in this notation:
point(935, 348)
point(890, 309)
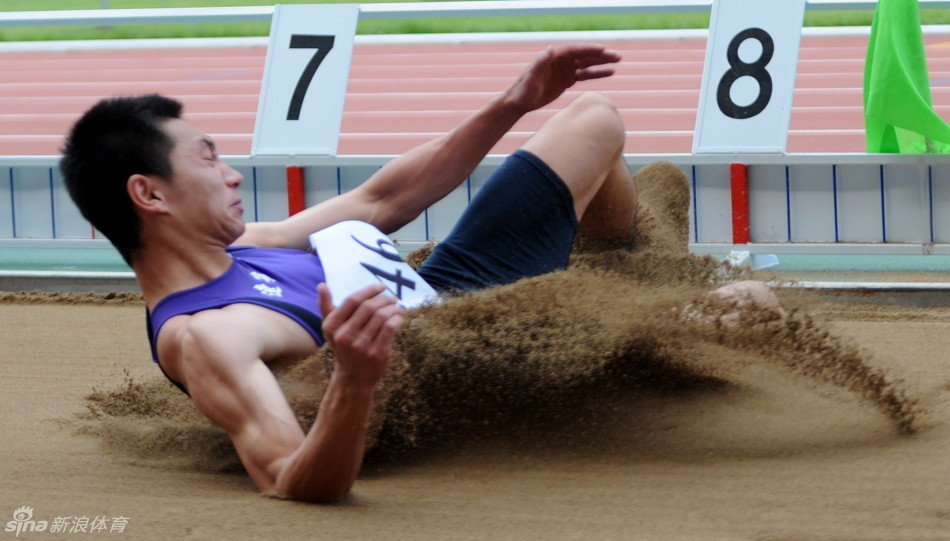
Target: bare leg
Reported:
point(611, 213)
point(583, 143)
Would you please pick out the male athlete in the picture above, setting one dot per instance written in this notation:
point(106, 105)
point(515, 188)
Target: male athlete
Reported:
point(229, 302)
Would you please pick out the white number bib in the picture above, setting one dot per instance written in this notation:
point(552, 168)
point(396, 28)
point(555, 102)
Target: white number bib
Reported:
point(355, 255)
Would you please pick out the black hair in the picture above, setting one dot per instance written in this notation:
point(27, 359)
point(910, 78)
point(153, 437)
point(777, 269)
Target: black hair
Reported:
point(115, 139)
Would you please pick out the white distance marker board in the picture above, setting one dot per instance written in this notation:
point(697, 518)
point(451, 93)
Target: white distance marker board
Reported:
point(305, 75)
point(745, 101)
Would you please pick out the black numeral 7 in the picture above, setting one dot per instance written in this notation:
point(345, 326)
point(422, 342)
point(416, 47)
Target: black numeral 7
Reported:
point(322, 44)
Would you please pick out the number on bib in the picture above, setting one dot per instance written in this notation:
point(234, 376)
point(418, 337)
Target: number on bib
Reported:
point(356, 254)
point(396, 278)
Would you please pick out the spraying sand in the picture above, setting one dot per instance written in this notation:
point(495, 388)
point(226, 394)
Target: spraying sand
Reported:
point(580, 404)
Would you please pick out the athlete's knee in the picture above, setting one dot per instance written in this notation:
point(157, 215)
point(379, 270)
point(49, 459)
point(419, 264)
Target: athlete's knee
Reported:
point(600, 107)
point(594, 100)
point(597, 114)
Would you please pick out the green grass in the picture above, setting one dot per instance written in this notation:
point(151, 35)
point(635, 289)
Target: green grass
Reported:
point(408, 26)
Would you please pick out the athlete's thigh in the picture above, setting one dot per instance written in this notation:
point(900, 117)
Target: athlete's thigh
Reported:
point(580, 143)
point(521, 223)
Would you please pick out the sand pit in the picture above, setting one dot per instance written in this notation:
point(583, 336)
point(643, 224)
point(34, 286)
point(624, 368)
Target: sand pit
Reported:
point(617, 422)
point(576, 405)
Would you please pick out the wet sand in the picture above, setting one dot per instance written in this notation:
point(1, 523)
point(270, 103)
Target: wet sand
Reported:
point(758, 454)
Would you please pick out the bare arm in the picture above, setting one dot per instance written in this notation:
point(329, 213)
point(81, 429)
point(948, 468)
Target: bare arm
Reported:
point(407, 185)
point(234, 388)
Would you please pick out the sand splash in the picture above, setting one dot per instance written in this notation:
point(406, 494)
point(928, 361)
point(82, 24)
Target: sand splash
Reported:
point(566, 344)
point(488, 364)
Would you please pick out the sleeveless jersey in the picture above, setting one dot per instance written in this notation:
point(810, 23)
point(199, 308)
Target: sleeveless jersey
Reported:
point(283, 280)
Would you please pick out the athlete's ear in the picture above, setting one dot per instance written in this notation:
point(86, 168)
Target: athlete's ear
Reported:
point(146, 193)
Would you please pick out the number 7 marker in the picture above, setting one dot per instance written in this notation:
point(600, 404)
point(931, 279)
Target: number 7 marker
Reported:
point(322, 44)
point(305, 75)
point(745, 101)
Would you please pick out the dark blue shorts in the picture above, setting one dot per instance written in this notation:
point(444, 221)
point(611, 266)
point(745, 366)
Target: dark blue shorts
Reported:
point(521, 223)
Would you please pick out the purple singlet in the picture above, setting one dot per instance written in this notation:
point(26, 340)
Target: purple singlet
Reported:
point(282, 280)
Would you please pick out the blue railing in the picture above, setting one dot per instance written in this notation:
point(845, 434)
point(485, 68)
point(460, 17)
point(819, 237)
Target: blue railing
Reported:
point(805, 203)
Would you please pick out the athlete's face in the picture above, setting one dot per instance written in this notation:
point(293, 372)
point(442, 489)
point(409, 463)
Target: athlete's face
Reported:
point(203, 189)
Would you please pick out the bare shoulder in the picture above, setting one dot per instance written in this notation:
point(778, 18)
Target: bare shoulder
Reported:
point(204, 338)
point(229, 338)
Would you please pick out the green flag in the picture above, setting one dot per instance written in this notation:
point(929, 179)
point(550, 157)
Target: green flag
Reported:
point(898, 111)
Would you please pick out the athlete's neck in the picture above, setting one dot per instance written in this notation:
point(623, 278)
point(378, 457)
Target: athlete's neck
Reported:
point(163, 270)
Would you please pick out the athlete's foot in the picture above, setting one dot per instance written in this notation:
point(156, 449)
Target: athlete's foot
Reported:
point(736, 302)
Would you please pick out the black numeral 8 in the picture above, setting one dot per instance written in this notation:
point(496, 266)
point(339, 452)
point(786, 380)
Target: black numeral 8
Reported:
point(756, 70)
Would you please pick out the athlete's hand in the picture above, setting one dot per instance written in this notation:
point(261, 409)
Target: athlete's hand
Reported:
point(360, 331)
point(557, 69)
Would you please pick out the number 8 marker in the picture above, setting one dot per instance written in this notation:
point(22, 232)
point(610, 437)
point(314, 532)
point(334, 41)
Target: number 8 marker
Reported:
point(759, 124)
point(756, 70)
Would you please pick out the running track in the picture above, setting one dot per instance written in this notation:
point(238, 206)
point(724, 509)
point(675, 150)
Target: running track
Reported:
point(400, 95)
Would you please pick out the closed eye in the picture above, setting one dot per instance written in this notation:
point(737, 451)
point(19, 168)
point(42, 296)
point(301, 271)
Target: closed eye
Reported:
point(212, 150)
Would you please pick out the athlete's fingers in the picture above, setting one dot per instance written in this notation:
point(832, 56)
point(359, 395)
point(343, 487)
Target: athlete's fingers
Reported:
point(384, 323)
point(366, 308)
point(361, 331)
point(335, 317)
point(326, 299)
point(350, 304)
point(355, 324)
point(383, 343)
